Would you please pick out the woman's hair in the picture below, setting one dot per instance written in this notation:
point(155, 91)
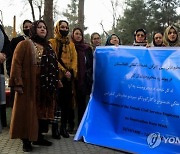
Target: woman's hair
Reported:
point(153, 39)
point(26, 21)
point(166, 40)
point(95, 33)
point(72, 36)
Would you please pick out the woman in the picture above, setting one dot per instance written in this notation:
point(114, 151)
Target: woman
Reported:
point(95, 40)
point(67, 63)
point(113, 40)
point(171, 37)
point(157, 39)
point(26, 27)
point(4, 55)
point(34, 77)
point(140, 37)
point(83, 83)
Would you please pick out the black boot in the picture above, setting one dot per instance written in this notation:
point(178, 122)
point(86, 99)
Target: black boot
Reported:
point(42, 141)
point(55, 130)
point(64, 132)
point(26, 145)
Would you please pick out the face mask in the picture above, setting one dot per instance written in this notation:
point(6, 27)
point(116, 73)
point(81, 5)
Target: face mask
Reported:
point(26, 32)
point(64, 33)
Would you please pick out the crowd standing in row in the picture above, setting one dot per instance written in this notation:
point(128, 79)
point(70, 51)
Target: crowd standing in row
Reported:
point(51, 75)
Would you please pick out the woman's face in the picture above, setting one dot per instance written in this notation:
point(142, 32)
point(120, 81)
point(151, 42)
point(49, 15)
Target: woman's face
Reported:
point(140, 37)
point(41, 30)
point(77, 35)
point(27, 25)
point(96, 40)
point(114, 40)
point(64, 26)
point(158, 38)
point(172, 35)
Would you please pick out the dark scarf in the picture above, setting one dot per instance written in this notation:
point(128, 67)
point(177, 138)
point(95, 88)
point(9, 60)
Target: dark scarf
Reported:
point(49, 68)
point(49, 73)
point(173, 43)
point(81, 49)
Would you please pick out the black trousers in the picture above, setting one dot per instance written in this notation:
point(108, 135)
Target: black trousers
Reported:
point(65, 103)
point(80, 99)
point(3, 118)
point(81, 103)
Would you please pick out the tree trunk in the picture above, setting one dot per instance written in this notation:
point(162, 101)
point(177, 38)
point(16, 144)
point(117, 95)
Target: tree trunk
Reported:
point(32, 9)
point(48, 16)
point(81, 14)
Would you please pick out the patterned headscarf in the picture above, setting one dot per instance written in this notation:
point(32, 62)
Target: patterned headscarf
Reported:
point(145, 39)
point(166, 41)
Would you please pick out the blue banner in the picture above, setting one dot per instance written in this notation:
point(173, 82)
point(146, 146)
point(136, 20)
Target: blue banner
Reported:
point(135, 103)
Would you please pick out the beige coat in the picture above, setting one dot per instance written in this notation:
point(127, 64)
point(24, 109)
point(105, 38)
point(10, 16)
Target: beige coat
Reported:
point(24, 120)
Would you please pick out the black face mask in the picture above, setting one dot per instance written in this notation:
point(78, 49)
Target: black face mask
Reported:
point(64, 33)
point(26, 32)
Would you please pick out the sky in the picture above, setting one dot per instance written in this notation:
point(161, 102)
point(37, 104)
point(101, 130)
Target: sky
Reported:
point(96, 11)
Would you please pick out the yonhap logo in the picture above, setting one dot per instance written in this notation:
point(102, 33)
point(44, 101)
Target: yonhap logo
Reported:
point(155, 139)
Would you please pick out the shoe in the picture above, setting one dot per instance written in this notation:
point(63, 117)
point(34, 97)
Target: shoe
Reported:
point(64, 133)
point(71, 131)
point(55, 131)
point(42, 142)
point(27, 147)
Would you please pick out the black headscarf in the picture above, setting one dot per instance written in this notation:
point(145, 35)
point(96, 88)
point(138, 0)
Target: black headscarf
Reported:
point(108, 41)
point(49, 66)
point(34, 36)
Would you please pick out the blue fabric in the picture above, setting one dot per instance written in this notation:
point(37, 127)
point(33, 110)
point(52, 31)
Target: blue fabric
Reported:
point(136, 93)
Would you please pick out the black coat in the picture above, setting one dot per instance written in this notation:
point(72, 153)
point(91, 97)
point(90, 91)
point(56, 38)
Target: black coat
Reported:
point(6, 49)
point(89, 69)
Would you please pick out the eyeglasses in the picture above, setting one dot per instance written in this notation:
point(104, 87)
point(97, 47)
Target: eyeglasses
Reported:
point(142, 35)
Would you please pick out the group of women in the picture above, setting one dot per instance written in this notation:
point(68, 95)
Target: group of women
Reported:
point(47, 74)
point(168, 38)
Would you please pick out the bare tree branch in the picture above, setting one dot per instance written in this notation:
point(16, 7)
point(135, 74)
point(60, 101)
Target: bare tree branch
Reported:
point(103, 28)
point(32, 9)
